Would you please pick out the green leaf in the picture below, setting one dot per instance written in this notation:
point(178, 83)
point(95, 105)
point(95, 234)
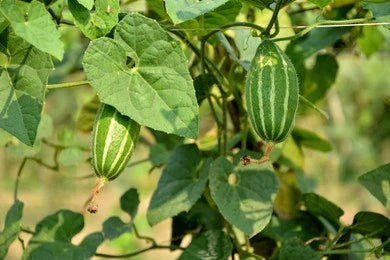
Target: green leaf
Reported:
point(157, 92)
point(310, 139)
point(114, 227)
point(261, 4)
point(319, 206)
point(72, 156)
point(181, 184)
point(371, 40)
point(377, 182)
point(86, 118)
point(202, 85)
point(244, 195)
point(157, 7)
point(371, 224)
point(11, 227)
point(3, 25)
point(319, 79)
point(33, 23)
point(184, 10)
point(158, 154)
point(86, 3)
point(294, 249)
point(321, 3)
point(211, 245)
point(130, 201)
point(381, 10)
point(303, 226)
point(23, 80)
point(97, 23)
point(222, 15)
point(53, 236)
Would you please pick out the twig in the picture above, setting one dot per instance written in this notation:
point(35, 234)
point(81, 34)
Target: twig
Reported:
point(68, 84)
point(153, 247)
point(18, 175)
point(149, 239)
point(137, 162)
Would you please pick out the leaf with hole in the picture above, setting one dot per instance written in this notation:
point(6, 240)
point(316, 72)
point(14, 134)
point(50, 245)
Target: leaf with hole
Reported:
point(143, 73)
point(251, 191)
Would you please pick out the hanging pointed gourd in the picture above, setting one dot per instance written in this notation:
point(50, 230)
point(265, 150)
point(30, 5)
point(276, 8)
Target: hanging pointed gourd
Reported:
point(272, 94)
point(113, 141)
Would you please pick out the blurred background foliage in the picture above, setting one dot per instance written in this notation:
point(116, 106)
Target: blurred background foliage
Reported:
point(358, 130)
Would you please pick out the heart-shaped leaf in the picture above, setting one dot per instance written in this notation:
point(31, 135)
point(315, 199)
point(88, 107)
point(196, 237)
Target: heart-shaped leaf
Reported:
point(155, 88)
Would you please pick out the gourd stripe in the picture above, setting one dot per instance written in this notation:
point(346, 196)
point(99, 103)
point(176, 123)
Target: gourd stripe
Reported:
point(121, 148)
point(293, 100)
point(95, 132)
point(108, 138)
point(287, 93)
point(254, 101)
point(96, 145)
point(261, 105)
point(125, 159)
point(272, 104)
point(129, 148)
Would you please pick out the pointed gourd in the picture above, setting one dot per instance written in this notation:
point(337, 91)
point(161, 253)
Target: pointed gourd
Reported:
point(113, 142)
point(272, 93)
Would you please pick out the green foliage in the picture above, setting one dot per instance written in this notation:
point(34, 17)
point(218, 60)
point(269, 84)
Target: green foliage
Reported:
point(114, 227)
point(377, 182)
point(23, 79)
point(181, 184)
point(247, 209)
point(53, 235)
point(32, 22)
point(218, 246)
point(11, 227)
point(318, 205)
point(98, 23)
point(310, 140)
point(294, 249)
point(181, 10)
point(158, 63)
point(215, 86)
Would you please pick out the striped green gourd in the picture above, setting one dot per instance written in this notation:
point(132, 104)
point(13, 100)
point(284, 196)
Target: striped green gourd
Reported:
point(272, 93)
point(114, 139)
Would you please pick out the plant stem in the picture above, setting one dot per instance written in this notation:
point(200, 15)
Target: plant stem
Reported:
point(132, 164)
point(224, 125)
point(67, 84)
point(324, 22)
point(153, 247)
point(273, 18)
point(18, 175)
point(149, 239)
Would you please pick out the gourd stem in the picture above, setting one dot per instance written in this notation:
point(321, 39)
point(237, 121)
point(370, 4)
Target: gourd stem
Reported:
point(92, 206)
point(246, 159)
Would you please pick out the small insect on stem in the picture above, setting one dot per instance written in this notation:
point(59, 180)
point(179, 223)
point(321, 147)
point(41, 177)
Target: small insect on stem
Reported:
point(108, 9)
point(246, 159)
